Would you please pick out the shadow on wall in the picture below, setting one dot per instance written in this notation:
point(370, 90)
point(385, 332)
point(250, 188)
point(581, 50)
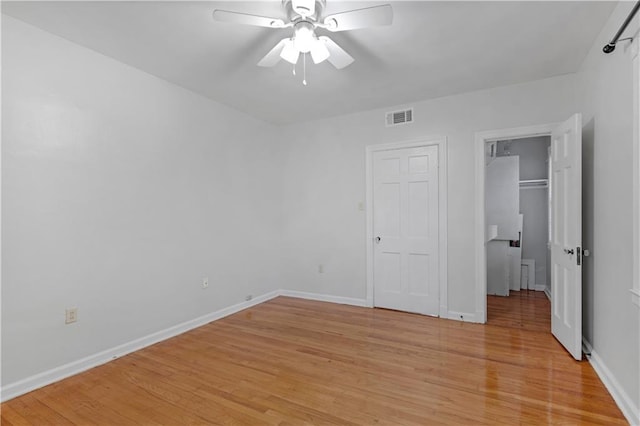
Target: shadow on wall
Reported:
point(588, 132)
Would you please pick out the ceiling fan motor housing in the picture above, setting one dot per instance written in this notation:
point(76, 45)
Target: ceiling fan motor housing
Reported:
point(304, 8)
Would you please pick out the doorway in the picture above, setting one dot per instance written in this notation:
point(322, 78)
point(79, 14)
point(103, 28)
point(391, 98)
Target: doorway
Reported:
point(407, 226)
point(565, 181)
point(517, 215)
point(517, 191)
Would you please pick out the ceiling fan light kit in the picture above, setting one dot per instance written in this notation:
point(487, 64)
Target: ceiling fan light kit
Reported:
point(303, 36)
point(319, 51)
point(305, 17)
point(289, 52)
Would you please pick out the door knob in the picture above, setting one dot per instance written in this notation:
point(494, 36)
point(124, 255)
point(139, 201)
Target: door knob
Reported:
point(377, 240)
point(569, 251)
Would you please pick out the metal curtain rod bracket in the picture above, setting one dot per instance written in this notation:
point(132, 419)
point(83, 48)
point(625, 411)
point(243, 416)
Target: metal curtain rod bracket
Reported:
point(611, 46)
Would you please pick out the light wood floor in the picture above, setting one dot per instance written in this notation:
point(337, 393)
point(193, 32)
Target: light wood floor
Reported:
point(528, 310)
point(291, 361)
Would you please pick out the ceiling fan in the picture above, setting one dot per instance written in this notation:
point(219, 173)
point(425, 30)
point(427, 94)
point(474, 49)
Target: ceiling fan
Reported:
point(305, 16)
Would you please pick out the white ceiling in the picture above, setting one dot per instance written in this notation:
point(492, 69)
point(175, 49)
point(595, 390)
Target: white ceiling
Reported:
point(432, 49)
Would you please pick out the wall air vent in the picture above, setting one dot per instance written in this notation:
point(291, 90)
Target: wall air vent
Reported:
point(396, 118)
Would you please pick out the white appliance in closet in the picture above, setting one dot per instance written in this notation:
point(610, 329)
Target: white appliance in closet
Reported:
point(504, 225)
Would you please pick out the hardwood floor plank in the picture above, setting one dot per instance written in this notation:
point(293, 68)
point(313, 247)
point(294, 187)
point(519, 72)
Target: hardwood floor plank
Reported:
point(35, 412)
point(9, 416)
point(293, 361)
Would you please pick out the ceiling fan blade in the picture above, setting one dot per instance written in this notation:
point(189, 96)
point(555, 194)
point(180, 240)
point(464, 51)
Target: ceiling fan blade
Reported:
point(360, 18)
point(246, 19)
point(337, 56)
point(273, 57)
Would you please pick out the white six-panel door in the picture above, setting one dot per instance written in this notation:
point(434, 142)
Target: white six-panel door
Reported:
point(405, 229)
point(566, 235)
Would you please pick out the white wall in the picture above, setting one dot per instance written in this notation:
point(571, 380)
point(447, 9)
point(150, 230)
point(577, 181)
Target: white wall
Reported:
point(535, 231)
point(611, 321)
point(324, 180)
point(120, 192)
point(532, 153)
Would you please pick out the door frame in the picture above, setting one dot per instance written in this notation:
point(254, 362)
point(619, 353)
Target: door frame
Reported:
point(635, 288)
point(441, 143)
point(481, 138)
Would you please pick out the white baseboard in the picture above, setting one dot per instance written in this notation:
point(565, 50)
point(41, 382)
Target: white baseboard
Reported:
point(12, 390)
point(53, 375)
point(324, 298)
point(461, 316)
point(547, 292)
point(539, 287)
point(625, 403)
point(56, 374)
point(586, 347)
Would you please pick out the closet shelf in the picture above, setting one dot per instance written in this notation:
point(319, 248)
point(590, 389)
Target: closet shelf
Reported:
point(534, 184)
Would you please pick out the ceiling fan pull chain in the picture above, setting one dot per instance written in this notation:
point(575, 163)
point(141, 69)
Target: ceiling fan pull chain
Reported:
point(304, 69)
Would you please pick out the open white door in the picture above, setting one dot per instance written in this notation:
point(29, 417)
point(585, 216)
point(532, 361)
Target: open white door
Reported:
point(566, 237)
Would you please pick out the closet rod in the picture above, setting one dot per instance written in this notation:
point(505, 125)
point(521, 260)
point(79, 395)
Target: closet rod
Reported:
point(611, 46)
point(534, 183)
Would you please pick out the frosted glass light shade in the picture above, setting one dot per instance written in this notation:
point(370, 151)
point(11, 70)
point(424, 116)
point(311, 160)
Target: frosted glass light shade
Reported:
point(289, 52)
point(319, 51)
point(304, 38)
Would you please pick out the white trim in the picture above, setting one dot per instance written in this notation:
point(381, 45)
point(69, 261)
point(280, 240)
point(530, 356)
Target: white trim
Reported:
point(586, 347)
point(325, 298)
point(635, 290)
point(635, 297)
point(441, 142)
point(461, 316)
point(1, 186)
point(636, 174)
point(369, 226)
point(547, 292)
point(480, 238)
point(622, 399)
point(58, 373)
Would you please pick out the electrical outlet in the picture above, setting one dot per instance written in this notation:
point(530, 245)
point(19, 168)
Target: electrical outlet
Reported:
point(321, 269)
point(70, 315)
point(205, 282)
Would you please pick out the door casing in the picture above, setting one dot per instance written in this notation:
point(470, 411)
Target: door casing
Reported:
point(441, 142)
